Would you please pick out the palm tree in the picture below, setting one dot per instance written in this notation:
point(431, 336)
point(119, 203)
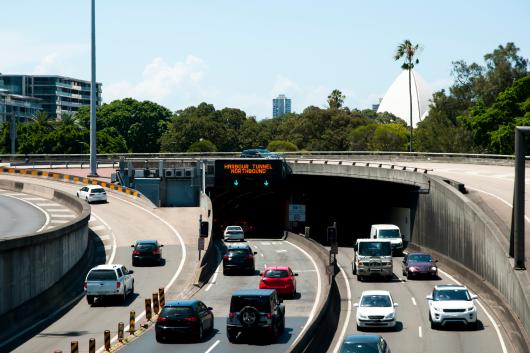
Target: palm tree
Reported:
point(407, 51)
point(336, 99)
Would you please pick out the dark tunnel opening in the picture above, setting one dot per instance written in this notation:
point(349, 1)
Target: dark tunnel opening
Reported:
point(354, 204)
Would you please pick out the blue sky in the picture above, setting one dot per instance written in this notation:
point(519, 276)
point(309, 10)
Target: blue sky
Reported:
point(243, 53)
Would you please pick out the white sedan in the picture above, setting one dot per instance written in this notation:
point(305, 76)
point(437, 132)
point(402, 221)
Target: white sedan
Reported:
point(92, 193)
point(234, 233)
point(376, 308)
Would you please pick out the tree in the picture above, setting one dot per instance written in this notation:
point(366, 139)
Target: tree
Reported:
point(202, 146)
point(336, 99)
point(389, 137)
point(281, 146)
point(408, 51)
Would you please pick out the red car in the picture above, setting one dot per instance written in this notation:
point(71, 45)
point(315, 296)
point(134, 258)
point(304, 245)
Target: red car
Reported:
point(280, 278)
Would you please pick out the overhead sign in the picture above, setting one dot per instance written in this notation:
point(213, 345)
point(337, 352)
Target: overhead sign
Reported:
point(242, 173)
point(296, 213)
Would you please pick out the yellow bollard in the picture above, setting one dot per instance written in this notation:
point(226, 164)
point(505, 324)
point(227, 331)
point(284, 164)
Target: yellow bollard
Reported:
point(132, 320)
point(121, 326)
point(74, 347)
point(161, 297)
point(106, 337)
point(92, 345)
point(155, 303)
point(148, 313)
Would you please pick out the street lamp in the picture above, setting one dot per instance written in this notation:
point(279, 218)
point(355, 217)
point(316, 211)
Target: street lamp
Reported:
point(93, 96)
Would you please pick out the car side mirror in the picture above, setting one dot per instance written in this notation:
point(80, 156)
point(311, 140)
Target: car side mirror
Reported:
point(355, 247)
point(474, 296)
point(161, 245)
point(210, 308)
point(356, 305)
point(280, 300)
point(295, 274)
point(132, 246)
point(255, 252)
point(396, 305)
point(435, 260)
point(261, 273)
point(428, 297)
point(131, 272)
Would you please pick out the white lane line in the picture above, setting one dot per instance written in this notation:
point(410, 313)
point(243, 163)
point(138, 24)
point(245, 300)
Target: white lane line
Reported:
point(61, 221)
point(213, 346)
point(499, 335)
point(57, 215)
point(413, 300)
point(497, 197)
point(175, 276)
point(214, 278)
point(278, 251)
point(419, 332)
point(49, 204)
point(46, 223)
point(59, 210)
point(108, 247)
point(34, 199)
point(262, 255)
point(348, 313)
point(104, 237)
point(19, 194)
point(317, 299)
point(100, 227)
point(110, 258)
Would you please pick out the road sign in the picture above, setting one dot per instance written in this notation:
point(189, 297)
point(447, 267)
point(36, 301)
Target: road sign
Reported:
point(296, 213)
point(236, 183)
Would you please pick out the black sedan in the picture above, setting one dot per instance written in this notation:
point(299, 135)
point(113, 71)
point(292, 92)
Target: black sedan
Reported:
point(239, 257)
point(146, 251)
point(184, 319)
point(364, 344)
point(418, 263)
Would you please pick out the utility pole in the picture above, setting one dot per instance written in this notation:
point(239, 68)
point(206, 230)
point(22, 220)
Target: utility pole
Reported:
point(93, 96)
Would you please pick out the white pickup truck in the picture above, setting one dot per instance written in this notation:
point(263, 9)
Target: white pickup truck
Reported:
point(109, 280)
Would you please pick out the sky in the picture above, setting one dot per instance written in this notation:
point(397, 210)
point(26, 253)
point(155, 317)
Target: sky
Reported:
point(242, 54)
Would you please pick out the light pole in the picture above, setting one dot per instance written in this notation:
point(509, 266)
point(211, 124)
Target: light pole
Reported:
point(93, 96)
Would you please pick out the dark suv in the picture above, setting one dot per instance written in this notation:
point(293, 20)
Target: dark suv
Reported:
point(255, 310)
point(239, 257)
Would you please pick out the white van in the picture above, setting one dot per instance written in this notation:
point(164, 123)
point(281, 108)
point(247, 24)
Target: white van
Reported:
point(388, 232)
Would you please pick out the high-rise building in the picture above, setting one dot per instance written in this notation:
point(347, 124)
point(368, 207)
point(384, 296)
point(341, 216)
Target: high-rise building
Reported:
point(57, 95)
point(280, 106)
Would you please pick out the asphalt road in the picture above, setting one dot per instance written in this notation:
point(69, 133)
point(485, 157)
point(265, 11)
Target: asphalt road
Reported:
point(217, 295)
point(413, 332)
point(119, 223)
point(18, 217)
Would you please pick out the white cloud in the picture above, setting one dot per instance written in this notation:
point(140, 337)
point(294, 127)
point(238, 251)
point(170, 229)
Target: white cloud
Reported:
point(161, 81)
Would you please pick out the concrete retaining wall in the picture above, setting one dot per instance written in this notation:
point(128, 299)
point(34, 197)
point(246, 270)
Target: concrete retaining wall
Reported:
point(31, 264)
point(451, 224)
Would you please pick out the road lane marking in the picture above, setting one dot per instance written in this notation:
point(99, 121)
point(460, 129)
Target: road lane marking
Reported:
point(57, 215)
point(317, 299)
point(55, 221)
point(46, 214)
point(497, 197)
point(213, 346)
point(34, 199)
point(110, 259)
point(100, 227)
point(59, 210)
point(48, 204)
point(104, 237)
point(278, 251)
point(499, 335)
point(413, 300)
point(214, 279)
point(419, 332)
point(347, 321)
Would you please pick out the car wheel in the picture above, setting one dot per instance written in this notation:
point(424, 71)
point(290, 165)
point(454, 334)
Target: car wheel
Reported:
point(134, 262)
point(232, 336)
point(200, 334)
point(124, 297)
point(359, 328)
point(159, 338)
point(353, 269)
point(474, 325)
point(132, 289)
point(77, 195)
point(87, 199)
point(90, 299)
point(409, 275)
point(282, 325)
point(359, 278)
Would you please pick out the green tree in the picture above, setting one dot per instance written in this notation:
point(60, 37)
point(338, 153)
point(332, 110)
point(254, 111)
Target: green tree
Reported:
point(202, 146)
point(336, 99)
point(408, 51)
point(281, 146)
point(389, 137)
point(361, 137)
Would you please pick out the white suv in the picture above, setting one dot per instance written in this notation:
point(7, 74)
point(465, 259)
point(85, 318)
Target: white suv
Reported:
point(450, 303)
point(109, 280)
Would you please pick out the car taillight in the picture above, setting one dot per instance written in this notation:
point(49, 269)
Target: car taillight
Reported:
point(85, 285)
point(161, 319)
point(225, 257)
point(231, 315)
point(269, 316)
point(156, 252)
point(190, 319)
point(118, 285)
point(248, 257)
point(136, 252)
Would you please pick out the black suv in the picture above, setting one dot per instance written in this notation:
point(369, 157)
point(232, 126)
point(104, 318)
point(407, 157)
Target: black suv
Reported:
point(255, 310)
point(239, 257)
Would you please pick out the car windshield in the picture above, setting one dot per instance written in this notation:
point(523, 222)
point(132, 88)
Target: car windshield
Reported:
point(102, 275)
point(388, 233)
point(176, 311)
point(277, 274)
point(233, 228)
point(420, 258)
point(239, 251)
point(98, 191)
point(261, 303)
point(376, 301)
point(451, 294)
point(375, 248)
point(353, 347)
point(145, 246)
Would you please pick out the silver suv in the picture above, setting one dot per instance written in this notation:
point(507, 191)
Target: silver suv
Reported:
point(109, 280)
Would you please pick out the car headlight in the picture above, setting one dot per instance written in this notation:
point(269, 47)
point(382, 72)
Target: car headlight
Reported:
point(433, 268)
point(363, 316)
point(390, 316)
point(412, 269)
point(471, 308)
point(436, 309)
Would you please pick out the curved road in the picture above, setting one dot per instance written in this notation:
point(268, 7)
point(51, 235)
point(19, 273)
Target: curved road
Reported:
point(18, 217)
point(119, 223)
point(217, 295)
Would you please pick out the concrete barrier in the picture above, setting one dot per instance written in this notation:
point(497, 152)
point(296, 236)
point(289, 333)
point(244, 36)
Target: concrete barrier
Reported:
point(31, 265)
point(321, 329)
point(454, 226)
